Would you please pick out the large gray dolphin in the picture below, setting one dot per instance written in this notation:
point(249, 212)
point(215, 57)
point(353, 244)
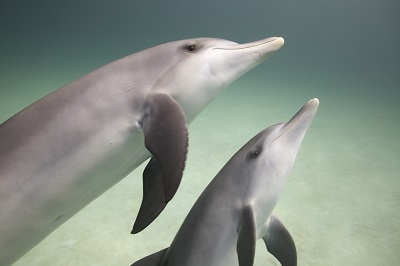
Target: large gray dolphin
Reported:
point(235, 210)
point(66, 149)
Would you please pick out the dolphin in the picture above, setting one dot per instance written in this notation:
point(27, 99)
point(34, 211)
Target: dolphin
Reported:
point(63, 151)
point(235, 210)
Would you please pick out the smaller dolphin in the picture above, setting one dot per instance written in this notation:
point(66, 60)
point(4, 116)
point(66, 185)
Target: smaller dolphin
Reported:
point(235, 210)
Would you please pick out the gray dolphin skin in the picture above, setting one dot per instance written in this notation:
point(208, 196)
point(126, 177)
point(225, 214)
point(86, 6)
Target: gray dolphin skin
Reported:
point(66, 149)
point(235, 210)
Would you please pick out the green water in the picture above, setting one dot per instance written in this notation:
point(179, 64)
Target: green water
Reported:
point(341, 203)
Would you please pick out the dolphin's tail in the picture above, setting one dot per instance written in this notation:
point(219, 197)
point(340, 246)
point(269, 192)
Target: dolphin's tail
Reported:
point(152, 260)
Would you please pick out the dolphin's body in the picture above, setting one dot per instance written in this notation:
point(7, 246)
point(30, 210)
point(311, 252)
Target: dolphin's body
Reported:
point(63, 151)
point(235, 210)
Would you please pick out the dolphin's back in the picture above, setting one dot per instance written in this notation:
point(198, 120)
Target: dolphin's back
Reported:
point(152, 260)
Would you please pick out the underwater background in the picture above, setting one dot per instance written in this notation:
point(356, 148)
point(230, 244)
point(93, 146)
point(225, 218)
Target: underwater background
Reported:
point(342, 201)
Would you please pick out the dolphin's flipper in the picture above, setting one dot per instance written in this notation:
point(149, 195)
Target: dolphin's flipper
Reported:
point(154, 259)
point(280, 243)
point(166, 137)
point(153, 197)
point(246, 245)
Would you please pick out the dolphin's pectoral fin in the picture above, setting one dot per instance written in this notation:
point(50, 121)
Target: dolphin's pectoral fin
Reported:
point(246, 245)
point(280, 243)
point(153, 197)
point(166, 137)
point(154, 259)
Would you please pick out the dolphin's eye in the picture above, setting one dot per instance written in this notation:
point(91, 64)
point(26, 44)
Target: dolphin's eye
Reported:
point(191, 48)
point(255, 154)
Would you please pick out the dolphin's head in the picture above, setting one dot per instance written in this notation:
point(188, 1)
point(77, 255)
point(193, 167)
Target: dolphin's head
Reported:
point(270, 156)
point(195, 71)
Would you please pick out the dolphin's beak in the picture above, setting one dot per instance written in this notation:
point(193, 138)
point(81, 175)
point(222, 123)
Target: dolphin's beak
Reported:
point(237, 59)
point(274, 42)
point(266, 46)
point(297, 126)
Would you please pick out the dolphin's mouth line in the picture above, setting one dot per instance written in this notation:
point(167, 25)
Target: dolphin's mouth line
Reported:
point(298, 116)
point(249, 45)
